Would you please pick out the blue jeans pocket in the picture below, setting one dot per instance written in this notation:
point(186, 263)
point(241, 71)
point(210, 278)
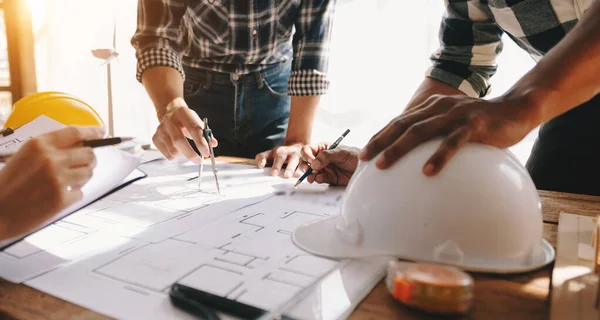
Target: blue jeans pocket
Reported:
point(279, 92)
point(192, 87)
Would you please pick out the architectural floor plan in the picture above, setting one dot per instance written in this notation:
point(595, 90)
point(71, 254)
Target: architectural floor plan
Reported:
point(120, 255)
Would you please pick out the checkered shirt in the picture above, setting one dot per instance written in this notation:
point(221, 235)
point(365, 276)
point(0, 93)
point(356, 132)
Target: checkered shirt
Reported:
point(238, 36)
point(471, 31)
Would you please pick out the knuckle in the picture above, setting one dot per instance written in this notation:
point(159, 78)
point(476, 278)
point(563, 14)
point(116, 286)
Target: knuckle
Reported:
point(75, 133)
point(398, 124)
point(178, 139)
point(477, 121)
point(416, 130)
point(48, 164)
point(36, 145)
point(195, 127)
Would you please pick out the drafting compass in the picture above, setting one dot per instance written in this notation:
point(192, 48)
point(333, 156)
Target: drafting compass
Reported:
point(208, 136)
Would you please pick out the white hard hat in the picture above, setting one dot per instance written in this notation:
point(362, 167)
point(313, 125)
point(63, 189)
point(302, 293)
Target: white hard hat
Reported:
point(481, 213)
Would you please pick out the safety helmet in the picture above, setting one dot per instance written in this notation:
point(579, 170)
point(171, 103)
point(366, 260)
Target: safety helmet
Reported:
point(60, 106)
point(481, 213)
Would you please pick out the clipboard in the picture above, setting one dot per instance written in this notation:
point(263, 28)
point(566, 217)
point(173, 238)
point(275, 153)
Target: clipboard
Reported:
point(137, 174)
point(43, 125)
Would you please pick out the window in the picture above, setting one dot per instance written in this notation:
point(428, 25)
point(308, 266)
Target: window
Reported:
point(17, 72)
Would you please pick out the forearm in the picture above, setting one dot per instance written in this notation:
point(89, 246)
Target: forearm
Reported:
point(302, 116)
point(165, 87)
point(428, 88)
point(566, 77)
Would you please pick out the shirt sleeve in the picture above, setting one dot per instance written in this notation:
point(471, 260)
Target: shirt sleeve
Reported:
point(311, 48)
point(156, 40)
point(470, 41)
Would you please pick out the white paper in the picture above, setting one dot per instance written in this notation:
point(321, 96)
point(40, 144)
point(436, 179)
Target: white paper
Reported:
point(22, 260)
point(237, 245)
point(41, 125)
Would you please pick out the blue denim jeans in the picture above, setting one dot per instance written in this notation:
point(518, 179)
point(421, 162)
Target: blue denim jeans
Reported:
point(247, 114)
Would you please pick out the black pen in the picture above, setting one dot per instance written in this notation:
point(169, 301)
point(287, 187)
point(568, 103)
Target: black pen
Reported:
point(333, 146)
point(206, 305)
point(95, 143)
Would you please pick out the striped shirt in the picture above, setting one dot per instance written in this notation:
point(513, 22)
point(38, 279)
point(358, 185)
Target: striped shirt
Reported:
point(238, 36)
point(471, 32)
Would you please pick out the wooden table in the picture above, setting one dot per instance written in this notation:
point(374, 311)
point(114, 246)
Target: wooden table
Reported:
point(524, 296)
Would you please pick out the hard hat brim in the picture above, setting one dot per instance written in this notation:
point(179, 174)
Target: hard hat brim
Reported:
point(321, 238)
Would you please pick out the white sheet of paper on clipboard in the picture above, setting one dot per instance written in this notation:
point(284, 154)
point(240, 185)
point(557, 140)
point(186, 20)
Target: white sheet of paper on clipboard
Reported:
point(114, 170)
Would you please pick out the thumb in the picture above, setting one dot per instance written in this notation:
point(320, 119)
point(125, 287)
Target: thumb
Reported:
point(72, 135)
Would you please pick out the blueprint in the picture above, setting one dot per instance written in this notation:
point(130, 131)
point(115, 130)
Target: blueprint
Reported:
point(120, 255)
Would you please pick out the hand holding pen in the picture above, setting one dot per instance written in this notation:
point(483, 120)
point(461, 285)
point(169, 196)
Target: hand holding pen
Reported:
point(330, 164)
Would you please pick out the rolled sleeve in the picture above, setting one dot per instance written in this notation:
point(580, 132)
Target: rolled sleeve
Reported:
point(470, 42)
point(311, 48)
point(156, 40)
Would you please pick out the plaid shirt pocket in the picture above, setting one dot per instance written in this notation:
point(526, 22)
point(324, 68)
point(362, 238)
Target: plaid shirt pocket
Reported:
point(212, 19)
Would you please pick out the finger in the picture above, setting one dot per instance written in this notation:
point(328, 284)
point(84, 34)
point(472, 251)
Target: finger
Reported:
point(79, 157)
point(299, 172)
point(162, 147)
point(70, 136)
point(170, 146)
point(303, 167)
point(190, 120)
point(307, 154)
point(181, 143)
point(394, 130)
point(323, 177)
point(77, 177)
point(71, 197)
point(416, 134)
point(278, 161)
point(446, 151)
point(292, 166)
point(386, 136)
point(261, 159)
point(326, 157)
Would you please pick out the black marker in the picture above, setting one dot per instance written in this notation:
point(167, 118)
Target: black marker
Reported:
point(206, 305)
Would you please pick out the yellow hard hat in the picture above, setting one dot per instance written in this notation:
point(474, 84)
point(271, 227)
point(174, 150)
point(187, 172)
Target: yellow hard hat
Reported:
point(60, 106)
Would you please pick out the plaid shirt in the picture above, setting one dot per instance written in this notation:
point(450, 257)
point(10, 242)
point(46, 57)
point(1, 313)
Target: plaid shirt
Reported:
point(237, 36)
point(471, 31)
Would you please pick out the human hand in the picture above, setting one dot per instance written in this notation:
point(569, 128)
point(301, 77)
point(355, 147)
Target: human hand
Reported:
point(45, 176)
point(461, 119)
point(289, 155)
point(334, 167)
point(179, 123)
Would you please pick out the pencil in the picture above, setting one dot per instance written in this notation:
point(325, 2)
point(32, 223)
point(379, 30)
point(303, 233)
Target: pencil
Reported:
point(331, 147)
point(88, 143)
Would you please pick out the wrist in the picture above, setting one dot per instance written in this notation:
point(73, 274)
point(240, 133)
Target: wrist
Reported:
point(292, 138)
point(173, 105)
point(296, 136)
point(530, 106)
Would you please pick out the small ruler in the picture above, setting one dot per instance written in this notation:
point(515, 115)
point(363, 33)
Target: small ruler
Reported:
point(575, 284)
